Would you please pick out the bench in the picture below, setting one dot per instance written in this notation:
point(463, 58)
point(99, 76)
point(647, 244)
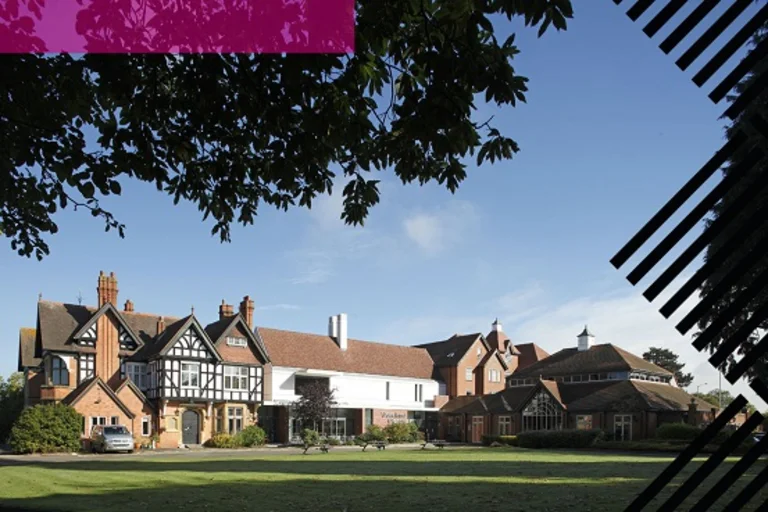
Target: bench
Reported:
point(380, 445)
point(437, 443)
point(324, 448)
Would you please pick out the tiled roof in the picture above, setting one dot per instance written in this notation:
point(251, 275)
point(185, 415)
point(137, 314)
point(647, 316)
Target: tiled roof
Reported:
point(457, 403)
point(85, 386)
point(499, 340)
point(449, 352)
point(530, 353)
point(27, 357)
point(315, 351)
point(665, 397)
point(599, 358)
point(154, 347)
point(253, 353)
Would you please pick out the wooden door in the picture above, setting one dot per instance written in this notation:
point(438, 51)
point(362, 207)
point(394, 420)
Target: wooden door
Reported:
point(477, 429)
point(190, 427)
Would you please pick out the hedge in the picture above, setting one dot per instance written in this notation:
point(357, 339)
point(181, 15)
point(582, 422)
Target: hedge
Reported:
point(249, 436)
point(686, 432)
point(47, 428)
point(559, 438)
point(403, 433)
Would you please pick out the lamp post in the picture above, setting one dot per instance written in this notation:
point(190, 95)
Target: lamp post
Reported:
point(697, 387)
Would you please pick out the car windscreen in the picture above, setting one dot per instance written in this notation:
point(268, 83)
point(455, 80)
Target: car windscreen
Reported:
point(115, 430)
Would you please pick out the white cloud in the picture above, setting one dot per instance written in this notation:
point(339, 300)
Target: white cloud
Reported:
point(435, 231)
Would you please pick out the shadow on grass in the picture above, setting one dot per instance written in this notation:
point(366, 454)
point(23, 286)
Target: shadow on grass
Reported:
point(311, 483)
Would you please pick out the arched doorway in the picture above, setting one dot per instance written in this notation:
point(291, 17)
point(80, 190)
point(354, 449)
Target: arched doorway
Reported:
point(190, 427)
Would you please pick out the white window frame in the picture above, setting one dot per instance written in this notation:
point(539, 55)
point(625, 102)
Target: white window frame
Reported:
point(387, 390)
point(189, 372)
point(137, 372)
point(234, 418)
point(626, 419)
point(237, 341)
point(236, 374)
point(114, 420)
point(505, 425)
point(146, 421)
point(468, 374)
point(97, 420)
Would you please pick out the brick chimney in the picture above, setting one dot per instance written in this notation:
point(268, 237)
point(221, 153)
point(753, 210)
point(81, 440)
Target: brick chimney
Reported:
point(107, 288)
point(226, 310)
point(160, 325)
point(246, 309)
point(129, 306)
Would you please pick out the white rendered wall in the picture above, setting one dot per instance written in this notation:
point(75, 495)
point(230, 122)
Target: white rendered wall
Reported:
point(357, 391)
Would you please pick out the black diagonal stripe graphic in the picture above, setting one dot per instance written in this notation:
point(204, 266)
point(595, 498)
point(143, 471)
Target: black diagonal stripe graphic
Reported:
point(731, 476)
point(682, 195)
point(727, 315)
point(758, 386)
point(638, 9)
point(728, 346)
point(727, 51)
point(663, 17)
point(686, 455)
point(746, 97)
point(748, 492)
point(739, 72)
point(687, 25)
point(717, 28)
point(694, 216)
point(744, 263)
point(717, 227)
point(712, 463)
point(749, 359)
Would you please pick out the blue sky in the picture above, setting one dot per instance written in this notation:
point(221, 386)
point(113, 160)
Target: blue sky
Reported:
point(611, 130)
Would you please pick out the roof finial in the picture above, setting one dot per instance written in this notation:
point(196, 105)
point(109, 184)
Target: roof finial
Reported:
point(39, 296)
point(193, 310)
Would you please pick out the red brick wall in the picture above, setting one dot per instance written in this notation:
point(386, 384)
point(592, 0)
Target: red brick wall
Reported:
point(488, 386)
point(96, 402)
point(140, 409)
point(245, 355)
point(107, 347)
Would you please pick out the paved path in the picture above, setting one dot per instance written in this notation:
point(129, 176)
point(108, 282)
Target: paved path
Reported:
point(9, 459)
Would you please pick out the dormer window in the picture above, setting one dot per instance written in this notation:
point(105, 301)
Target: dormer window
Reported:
point(236, 341)
point(451, 354)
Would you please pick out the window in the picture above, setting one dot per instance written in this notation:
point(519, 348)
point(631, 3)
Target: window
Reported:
point(622, 427)
point(468, 374)
point(418, 392)
point(505, 425)
point(387, 390)
point(494, 376)
point(220, 420)
point(594, 376)
point(542, 413)
point(368, 417)
point(190, 375)
point(87, 366)
point(235, 417)
point(584, 422)
point(137, 372)
point(114, 420)
point(479, 352)
point(59, 372)
point(97, 420)
point(576, 378)
point(146, 426)
point(567, 378)
point(236, 341)
point(235, 378)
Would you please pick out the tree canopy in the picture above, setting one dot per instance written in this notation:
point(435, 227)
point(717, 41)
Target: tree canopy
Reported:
point(11, 402)
point(750, 213)
point(314, 404)
point(669, 361)
point(234, 132)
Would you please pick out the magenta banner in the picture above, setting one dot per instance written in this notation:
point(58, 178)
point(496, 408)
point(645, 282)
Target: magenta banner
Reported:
point(177, 26)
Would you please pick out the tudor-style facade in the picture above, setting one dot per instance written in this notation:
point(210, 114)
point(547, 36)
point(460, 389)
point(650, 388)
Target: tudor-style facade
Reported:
point(152, 373)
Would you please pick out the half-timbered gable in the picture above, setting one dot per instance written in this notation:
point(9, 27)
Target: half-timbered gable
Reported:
point(88, 333)
point(190, 345)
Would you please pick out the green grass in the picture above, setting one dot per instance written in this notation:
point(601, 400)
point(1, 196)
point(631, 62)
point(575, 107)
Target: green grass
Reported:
point(471, 479)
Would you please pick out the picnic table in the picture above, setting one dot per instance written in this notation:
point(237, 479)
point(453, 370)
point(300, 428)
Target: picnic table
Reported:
point(437, 443)
point(324, 447)
point(380, 445)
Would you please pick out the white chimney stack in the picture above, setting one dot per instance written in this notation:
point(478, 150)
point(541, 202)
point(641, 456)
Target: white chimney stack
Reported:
point(342, 338)
point(586, 339)
point(333, 326)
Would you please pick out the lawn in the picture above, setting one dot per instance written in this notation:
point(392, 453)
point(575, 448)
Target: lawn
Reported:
point(461, 479)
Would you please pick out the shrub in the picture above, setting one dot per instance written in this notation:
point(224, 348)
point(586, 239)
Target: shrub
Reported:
point(350, 441)
point(47, 428)
point(373, 433)
point(310, 438)
point(398, 432)
point(559, 438)
point(489, 440)
point(508, 440)
point(332, 441)
point(252, 436)
point(223, 440)
point(678, 431)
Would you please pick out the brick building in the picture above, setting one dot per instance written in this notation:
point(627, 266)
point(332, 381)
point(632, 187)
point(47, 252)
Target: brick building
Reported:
point(589, 386)
point(151, 373)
